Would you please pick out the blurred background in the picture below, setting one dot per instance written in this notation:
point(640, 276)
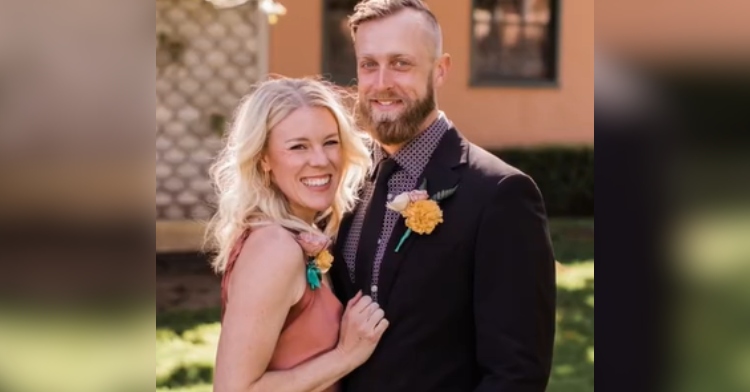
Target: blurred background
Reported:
point(665, 88)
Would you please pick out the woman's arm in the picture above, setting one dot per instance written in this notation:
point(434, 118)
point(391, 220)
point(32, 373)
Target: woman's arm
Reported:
point(268, 279)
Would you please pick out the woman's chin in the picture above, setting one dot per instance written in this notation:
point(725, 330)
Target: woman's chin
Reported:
point(319, 207)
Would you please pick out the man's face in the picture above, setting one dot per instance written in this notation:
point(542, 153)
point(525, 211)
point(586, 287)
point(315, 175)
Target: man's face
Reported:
point(396, 69)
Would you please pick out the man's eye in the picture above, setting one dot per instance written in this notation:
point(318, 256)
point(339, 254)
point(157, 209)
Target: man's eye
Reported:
point(368, 64)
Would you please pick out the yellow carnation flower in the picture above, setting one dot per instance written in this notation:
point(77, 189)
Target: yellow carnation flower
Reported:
point(423, 216)
point(324, 260)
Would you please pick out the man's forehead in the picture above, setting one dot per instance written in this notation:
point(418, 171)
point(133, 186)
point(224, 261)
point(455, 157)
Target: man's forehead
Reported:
point(384, 46)
point(404, 33)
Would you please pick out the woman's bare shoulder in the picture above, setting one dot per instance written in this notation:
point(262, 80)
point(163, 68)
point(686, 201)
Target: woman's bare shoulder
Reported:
point(270, 262)
point(273, 246)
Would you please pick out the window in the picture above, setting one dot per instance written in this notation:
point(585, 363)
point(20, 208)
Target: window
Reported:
point(339, 62)
point(514, 42)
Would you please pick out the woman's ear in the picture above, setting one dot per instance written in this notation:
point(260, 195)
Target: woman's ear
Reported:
point(264, 165)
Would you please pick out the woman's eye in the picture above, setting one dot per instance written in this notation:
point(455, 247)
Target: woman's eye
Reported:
point(297, 147)
point(332, 142)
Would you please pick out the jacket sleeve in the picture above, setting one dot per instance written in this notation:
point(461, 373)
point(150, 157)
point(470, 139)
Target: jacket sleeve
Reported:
point(514, 290)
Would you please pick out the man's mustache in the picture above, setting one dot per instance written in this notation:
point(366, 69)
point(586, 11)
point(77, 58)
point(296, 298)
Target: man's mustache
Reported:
point(385, 97)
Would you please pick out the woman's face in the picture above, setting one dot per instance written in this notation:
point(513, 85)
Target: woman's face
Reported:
point(304, 158)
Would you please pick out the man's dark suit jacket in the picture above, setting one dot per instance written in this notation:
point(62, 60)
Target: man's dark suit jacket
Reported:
point(471, 306)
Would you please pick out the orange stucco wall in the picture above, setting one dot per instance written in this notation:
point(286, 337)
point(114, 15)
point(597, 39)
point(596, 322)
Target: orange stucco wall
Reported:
point(489, 116)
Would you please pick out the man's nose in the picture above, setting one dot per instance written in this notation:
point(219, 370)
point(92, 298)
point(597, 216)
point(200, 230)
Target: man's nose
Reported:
point(384, 81)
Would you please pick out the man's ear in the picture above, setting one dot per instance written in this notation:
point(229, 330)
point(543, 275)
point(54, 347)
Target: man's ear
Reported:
point(442, 67)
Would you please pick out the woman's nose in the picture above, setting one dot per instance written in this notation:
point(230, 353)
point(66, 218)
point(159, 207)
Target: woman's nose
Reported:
point(318, 157)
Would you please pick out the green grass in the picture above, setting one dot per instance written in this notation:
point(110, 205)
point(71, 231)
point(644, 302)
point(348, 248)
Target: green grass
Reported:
point(191, 388)
point(573, 363)
point(186, 358)
point(186, 340)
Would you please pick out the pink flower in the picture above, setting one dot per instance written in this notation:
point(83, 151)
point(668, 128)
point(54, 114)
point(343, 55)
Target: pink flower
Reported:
point(417, 195)
point(312, 243)
point(402, 201)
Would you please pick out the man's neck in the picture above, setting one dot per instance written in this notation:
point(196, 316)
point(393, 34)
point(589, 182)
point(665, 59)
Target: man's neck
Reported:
point(392, 149)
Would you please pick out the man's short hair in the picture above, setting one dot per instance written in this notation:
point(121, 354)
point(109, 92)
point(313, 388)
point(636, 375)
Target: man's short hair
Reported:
point(368, 10)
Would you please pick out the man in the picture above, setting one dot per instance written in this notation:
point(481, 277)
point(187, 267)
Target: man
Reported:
point(471, 304)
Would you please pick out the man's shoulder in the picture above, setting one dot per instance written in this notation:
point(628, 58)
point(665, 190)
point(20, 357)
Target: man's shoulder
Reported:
point(489, 167)
point(492, 179)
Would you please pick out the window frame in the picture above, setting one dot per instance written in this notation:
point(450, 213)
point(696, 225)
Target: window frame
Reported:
point(481, 81)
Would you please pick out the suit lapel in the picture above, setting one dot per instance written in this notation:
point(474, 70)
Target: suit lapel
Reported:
point(339, 269)
point(441, 174)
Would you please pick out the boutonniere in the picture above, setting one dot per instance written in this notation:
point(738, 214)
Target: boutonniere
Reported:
point(421, 211)
point(319, 259)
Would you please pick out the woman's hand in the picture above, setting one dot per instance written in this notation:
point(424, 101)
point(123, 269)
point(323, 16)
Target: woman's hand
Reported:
point(362, 326)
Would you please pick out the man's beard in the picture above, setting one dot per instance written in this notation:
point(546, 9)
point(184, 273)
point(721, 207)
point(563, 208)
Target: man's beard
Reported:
point(401, 129)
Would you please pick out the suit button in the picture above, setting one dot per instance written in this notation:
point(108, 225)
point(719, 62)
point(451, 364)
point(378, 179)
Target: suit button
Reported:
point(374, 288)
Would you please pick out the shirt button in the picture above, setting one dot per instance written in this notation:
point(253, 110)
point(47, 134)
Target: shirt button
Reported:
point(374, 288)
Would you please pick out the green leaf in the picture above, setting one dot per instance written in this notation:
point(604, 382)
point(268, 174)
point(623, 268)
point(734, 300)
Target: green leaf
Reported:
point(444, 194)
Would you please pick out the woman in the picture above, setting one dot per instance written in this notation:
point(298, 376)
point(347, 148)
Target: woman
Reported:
point(290, 169)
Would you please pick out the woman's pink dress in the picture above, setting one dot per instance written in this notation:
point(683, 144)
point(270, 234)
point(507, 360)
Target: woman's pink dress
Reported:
point(311, 327)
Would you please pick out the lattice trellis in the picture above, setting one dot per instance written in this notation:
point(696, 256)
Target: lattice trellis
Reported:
point(207, 60)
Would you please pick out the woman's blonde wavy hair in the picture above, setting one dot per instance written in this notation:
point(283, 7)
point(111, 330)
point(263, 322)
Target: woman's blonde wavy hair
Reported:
point(244, 200)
